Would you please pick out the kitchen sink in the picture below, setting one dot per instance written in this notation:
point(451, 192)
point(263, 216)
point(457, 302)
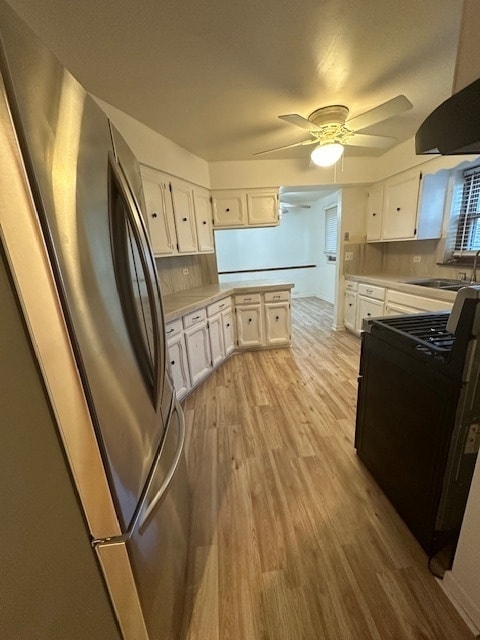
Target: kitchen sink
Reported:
point(446, 284)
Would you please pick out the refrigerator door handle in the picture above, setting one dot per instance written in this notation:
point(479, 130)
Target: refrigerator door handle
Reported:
point(157, 499)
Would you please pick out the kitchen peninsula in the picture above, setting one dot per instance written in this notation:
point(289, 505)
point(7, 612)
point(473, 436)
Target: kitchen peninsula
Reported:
point(206, 324)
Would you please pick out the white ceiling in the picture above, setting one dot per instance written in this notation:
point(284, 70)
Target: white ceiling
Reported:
point(213, 75)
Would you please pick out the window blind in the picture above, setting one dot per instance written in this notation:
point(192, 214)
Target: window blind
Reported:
point(331, 230)
point(467, 238)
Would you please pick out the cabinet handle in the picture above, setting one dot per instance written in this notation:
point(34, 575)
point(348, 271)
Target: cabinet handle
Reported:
point(154, 214)
point(220, 306)
point(276, 297)
point(398, 208)
point(172, 362)
point(369, 314)
point(249, 319)
point(369, 290)
point(246, 299)
point(350, 304)
point(196, 318)
point(228, 324)
point(170, 330)
point(184, 219)
point(374, 214)
point(227, 210)
point(204, 222)
point(277, 317)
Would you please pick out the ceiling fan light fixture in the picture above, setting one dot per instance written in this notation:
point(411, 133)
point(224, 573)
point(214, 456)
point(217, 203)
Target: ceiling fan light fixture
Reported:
point(326, 155)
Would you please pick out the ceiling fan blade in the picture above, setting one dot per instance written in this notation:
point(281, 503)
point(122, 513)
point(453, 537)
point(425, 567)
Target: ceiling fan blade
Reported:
point(299, 121)
point(364, 140)
point(287, 146)
point(291, 205)
point(384, 111)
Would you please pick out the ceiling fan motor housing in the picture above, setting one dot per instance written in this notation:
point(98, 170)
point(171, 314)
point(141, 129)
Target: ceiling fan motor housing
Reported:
point(331, 124)
point(333, 114)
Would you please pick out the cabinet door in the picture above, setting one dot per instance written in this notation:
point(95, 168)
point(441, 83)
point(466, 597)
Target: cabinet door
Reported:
point(183, 211)
point(160, 221)
point(262, 207)
point(400, 207)
point(350, 310)
point(228, 331)
point(368, 308)
point(177, 358)
point(229, 209)
point(215, 333)
point(198, 352)
point(277, 321)
point(203, 220)
point(374, 213)
point(250, 327)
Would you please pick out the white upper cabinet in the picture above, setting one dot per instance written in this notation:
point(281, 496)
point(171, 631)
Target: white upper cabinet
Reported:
point(160, 220)
point(374, 213)
point(234, 209)
point(202, 204)
point(179, 215)
point(400, 201)
point(184, 213)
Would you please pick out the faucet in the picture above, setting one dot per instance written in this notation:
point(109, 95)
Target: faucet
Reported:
point(474, 270)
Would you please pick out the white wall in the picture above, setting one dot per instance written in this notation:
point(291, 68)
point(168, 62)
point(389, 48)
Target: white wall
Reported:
point(290, 244)
point(155, 150)
point(462, 583)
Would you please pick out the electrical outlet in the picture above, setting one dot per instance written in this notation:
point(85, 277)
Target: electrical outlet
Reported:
point(185, 271)
point(417, 258)
point(348, 256)
point(472, 443)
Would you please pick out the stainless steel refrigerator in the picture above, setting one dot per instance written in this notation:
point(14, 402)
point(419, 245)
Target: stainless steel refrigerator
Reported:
point(77, 253)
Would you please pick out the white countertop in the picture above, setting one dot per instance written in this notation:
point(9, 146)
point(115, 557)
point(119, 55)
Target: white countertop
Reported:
point(400, 283)
point(178, 304)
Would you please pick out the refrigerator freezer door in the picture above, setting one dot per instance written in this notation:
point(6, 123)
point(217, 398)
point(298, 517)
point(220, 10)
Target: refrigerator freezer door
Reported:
point(158, 546)
point(146, 573)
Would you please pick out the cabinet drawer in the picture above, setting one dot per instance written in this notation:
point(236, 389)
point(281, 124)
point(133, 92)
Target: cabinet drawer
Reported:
point(417, 302)
point(220, 305)
point(371, 291)
point(173, 328)
point(277, 296)
point(194, 317)
point(248, 298)
point(350, 285)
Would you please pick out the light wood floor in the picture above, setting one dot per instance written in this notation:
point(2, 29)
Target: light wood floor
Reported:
point(291, 538)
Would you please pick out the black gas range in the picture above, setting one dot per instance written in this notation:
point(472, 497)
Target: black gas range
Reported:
point(418, 414)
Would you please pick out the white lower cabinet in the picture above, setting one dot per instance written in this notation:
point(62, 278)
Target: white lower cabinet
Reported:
point(198, 345)
point(370, 303)
point(250, 325)
point(177, 357)
point(363, 300)
point(277, 318)
point(350, 305)
point(263, 320)
point(400, 303)
point(228, 331)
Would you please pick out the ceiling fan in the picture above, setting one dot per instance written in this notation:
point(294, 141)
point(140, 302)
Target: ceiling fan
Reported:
point(285, 207)
point(330, 130)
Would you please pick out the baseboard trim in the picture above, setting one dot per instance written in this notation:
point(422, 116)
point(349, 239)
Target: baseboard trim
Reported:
point(461, 601)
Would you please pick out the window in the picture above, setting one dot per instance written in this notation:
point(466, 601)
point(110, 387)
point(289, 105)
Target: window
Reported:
point(467, 214)
point(331, 232)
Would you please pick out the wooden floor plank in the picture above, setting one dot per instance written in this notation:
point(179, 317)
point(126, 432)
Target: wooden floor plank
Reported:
point(291, 537)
